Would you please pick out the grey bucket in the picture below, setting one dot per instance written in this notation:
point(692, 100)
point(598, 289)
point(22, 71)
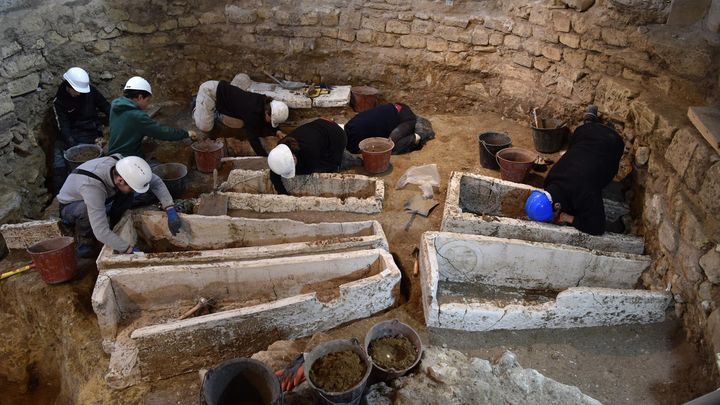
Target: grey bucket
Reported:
point(71, 153)
point(550, 138)
point(241, 380)
point(353, 395)
point(490, 144)
point(392, 327)
point(173, 175)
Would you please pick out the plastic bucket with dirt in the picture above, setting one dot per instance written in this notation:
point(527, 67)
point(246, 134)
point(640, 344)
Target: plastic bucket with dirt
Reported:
point(241, 381)
point(376, 154)
point(515, 163)
point(173, 175)
point(55, 259)
point(490, 144)
point(394, 348)
point(337, 371)
point(551, 137)
point(80, 154)
point(363, 98)
point(207, 154)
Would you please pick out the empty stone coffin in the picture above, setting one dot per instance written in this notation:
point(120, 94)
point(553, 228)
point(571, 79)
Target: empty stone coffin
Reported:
point(256, 303)
point(252, 190)
point(206, 239)
point(480, 283)
point(485, 205)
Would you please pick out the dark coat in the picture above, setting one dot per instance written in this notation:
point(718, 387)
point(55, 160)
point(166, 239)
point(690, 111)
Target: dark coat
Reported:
point(577, 179)
point(77, 117)
point(247, 106)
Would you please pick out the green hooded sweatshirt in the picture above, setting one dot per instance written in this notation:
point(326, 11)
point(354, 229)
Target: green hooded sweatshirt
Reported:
point(129, 125)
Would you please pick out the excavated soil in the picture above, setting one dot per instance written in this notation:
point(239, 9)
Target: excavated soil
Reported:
point(50, 340)
point(85, 155)
point(338, 372)
point(393, 352)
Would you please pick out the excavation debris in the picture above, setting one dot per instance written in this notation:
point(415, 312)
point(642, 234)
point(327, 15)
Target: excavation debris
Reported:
point(393, 352)
point(338, 371)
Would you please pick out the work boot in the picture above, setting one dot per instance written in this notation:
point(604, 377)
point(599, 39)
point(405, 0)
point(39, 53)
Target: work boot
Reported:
point(349, 161)
point(86, 251)
point(423, 128)
point(591, 114)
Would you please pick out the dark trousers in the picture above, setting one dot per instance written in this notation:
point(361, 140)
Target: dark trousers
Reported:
point(76, 214)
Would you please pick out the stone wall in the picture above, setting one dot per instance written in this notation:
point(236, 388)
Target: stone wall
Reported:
point(505, 56)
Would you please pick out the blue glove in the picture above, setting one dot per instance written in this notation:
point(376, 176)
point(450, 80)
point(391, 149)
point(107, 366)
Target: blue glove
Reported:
point(174, 223)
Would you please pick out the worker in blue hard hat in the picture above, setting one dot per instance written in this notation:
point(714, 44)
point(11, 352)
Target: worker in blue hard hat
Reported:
point(573, 187)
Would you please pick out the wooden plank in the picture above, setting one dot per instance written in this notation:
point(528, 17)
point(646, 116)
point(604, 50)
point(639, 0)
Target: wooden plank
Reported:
point(707, 121)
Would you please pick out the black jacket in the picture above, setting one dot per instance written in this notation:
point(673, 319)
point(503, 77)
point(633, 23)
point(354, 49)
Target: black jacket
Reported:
point(320, 149)
point(247, 106)
point(577, 179)
point(380, 121)
point(77, 117)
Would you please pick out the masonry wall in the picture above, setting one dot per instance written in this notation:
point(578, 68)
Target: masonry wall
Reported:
point(505, 56)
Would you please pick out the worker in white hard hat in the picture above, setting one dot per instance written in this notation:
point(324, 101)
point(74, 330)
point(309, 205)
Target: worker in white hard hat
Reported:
point(129, 123)
point(99, 191)
point(260, 114)
point(77, 107)
point(315, 147)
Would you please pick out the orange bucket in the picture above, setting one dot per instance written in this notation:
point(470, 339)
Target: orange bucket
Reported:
point(207, 155)
point(515, 163)
point(376, 154)
point(55, 259)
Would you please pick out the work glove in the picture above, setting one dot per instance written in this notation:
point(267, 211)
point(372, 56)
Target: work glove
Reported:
point(174, 223)
point(193, 135)
point(292, 375)
point(133, 250)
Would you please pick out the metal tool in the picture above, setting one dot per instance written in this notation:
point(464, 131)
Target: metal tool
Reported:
point(203, 303)
point(16, 271)
point(286, 84)
point(418, 205)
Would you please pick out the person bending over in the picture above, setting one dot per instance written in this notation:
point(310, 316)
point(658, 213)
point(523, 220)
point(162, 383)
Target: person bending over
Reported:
point(395, 121)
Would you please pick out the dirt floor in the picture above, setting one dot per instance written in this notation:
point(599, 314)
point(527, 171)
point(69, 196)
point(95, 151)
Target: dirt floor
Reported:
point(650, 364)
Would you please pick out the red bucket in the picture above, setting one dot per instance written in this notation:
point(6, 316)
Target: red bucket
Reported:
point(376, 154)
point(207, 155)
point(55, 259)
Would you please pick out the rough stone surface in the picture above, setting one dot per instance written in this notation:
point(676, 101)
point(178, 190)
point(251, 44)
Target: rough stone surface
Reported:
point(24, 85)
point(445, 373)
point(668, 236)
point(710, 263)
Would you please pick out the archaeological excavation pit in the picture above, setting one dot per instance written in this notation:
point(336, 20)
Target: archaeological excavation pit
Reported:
point(252, 190)
point(470, 67)
point(207, 239)
point(255, 303)
point(481, 283)
point(484, 205)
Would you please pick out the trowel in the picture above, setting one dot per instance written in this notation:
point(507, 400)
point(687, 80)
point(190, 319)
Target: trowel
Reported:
point(286, 84)
point(213, 204)
point(418, 205)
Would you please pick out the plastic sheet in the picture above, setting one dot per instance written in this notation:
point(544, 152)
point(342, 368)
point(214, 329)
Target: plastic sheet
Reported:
point(425, 176)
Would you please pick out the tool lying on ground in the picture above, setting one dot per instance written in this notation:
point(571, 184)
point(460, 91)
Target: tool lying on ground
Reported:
point(292, 375)
point(416, 264)
point(203, 304)
point(418, 205)
point(315, 91)
point(16, 271)
point(286, 84)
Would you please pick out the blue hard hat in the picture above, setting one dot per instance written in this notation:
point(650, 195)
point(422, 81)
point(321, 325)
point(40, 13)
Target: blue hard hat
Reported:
point(539, 207)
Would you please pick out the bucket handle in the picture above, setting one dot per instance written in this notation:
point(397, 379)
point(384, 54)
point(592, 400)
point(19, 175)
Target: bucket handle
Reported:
point(485, 145)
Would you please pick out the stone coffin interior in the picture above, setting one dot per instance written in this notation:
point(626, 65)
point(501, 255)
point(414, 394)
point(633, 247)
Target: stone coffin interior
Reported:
point(481, 283)
point(256, 303)
point(488, 206)
point(210, 238)
point(252, 190)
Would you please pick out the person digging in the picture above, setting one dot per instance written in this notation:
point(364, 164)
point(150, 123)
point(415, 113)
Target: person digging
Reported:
point(97, 194)
point(395, 121)
point(260, 114)
point(573, 187)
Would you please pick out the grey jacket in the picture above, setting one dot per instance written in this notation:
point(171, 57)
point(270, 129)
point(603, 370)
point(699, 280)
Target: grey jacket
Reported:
point(78, 187)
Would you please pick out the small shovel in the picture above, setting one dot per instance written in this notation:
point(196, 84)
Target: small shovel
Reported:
point(213, 204)
point(418, 205)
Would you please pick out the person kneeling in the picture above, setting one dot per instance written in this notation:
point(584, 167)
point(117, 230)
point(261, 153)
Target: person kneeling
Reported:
point(99, 191)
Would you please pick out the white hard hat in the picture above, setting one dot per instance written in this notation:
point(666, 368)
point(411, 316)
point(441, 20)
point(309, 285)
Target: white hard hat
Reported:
point(138, 83)
point(281, 161)
point(78, 79)
point(136, 173)
point(278, 113)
